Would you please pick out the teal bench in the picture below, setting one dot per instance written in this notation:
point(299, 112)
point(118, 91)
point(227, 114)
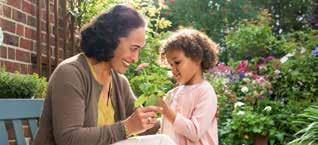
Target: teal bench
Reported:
point(16, 110)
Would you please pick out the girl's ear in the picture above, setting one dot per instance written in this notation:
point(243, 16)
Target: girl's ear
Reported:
point(198, 61)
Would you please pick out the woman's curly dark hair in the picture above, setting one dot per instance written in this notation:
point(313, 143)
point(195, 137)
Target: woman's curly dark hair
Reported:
point(100, 38)
point(195, 45)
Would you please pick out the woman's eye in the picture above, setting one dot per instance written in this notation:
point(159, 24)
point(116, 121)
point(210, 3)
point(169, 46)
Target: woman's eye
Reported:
point(134, 48)
point(177, 62)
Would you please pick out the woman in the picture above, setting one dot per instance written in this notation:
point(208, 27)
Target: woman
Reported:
point(89, 101)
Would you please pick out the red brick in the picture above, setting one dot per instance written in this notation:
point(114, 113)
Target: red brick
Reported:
point(31, 21)
point(26, 44)
point(10, 67)
point(8, 26)
point(15, 3)
point(43, 26)
point(20, 30)
point(18, 16)
point(11, 53)
point(30, 33)
point(23, 56)
point(43, 4)
point(3, 52)
point(7, 11)
point(1, 10)
point(11, 39)
point(24, 70)
point(28, 7)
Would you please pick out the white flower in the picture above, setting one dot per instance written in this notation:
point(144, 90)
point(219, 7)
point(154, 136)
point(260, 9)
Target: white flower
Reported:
point(238, 104)
point(276, 72)
point(244, 89)
point(268, 109)
point(302, 50)
point(240, 113)
point(283, 59)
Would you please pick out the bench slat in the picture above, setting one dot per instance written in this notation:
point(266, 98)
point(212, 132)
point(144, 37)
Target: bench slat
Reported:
point(33, 127)
point(3, 134)
point(18, 131)
point(20, 108)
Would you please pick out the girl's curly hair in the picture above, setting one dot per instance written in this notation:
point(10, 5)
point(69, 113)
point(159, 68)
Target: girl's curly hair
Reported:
point(195, 45)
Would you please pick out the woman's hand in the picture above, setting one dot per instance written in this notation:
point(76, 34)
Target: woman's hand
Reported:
point(167, 111)
point(142, 119)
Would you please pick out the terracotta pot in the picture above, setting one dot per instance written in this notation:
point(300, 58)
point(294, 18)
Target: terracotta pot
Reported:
point(260, 140)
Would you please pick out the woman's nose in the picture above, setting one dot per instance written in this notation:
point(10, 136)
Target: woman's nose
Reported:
point(135, 56)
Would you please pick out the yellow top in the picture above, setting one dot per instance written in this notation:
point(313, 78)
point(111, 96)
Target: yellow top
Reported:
point(105, 108)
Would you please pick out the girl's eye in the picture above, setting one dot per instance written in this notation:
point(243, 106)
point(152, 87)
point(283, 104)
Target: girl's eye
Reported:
point(177, 62)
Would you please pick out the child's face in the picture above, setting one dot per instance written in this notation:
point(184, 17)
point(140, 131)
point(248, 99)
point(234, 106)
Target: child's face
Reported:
point(184, 69)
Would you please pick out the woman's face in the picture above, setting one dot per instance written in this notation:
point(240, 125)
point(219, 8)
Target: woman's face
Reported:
point(128, 50)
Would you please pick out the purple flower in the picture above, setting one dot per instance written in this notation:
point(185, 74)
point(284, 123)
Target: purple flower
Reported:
point(268, 58)
point(242, 75)
point(314, 52)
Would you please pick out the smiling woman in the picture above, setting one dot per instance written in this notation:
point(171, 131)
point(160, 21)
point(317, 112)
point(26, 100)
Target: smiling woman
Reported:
point(89, 100)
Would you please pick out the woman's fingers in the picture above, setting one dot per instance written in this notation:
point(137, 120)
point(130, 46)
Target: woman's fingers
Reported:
point(143, 119)
point(149, 114)
point(151, 109)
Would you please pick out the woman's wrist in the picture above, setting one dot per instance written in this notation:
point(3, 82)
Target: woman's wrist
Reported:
point(126, 128)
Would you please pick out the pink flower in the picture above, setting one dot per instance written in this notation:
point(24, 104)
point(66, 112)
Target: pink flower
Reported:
point(243, 66)
point(142, 66)
point(268, 58)
point(220, 68)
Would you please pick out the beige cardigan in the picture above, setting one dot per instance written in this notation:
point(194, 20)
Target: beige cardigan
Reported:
point(70, 111)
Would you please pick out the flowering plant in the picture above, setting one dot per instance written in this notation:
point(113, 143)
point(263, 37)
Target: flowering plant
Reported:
point(245, 99)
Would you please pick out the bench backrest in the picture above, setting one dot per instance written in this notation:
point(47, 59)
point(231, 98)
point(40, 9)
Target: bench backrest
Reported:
point(16, 110)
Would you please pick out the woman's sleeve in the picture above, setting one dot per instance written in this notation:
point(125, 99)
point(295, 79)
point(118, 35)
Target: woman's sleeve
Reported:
point(68, 112)
point(203, 114)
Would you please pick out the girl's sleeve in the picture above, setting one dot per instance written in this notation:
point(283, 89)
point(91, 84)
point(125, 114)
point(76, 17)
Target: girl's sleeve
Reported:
point(203, 114)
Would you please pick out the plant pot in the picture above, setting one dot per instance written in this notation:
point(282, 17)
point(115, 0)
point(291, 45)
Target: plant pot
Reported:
point(260, 140)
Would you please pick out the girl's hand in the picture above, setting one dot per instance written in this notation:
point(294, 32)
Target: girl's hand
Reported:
point(167, 111)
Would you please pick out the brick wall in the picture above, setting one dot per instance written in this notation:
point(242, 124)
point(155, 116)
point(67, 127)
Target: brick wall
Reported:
point(18, 21)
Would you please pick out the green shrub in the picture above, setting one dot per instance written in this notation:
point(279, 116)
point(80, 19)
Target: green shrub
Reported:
point(213, 17)
point(299, 42)
point(298, 79)
point(250, 41)
point(21, 86)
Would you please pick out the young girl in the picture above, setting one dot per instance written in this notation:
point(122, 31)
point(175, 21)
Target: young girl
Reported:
point(189, 110)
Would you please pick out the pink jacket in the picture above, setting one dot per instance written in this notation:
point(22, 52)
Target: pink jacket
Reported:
point(195, 123)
